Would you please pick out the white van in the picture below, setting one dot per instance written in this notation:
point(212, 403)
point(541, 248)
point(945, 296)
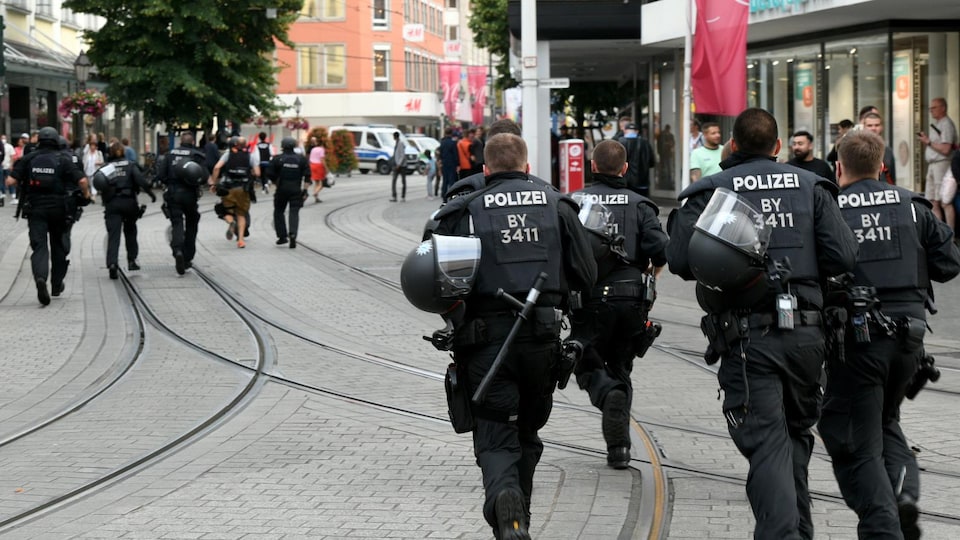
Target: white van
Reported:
point(373, 145)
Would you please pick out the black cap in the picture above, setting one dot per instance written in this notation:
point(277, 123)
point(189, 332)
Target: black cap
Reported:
point(631, 125)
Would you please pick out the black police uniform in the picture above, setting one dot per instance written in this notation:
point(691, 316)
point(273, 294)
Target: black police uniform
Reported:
point(902, 247)
point(181, 201)
point(770, 376)
point(46, 178)
point(263, 150)
point(640, 159)
point(524, 229)
point(288, 171)
point(612, 324)
point(122, 210)
point(72, 207)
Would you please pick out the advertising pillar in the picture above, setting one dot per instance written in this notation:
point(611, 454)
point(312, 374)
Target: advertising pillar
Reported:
point(571, 165)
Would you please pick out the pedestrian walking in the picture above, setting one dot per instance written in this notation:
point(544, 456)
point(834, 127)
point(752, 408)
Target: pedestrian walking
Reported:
point(290, 173)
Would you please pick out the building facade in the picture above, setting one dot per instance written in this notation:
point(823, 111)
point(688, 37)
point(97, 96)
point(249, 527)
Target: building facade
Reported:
point(813, 63)
point(376, 62)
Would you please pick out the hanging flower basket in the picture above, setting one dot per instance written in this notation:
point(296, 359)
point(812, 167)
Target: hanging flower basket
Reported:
point(297, 123)
point(90, 102)
point(261, 121)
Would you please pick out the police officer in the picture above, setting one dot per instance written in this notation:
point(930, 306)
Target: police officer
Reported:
point(902, 247)
point(73, 208)
point(180, 199)
point(290, 172)
point(265, 153)
point(46, 178)
point(613, 325)
point(119, 182)
point(769, 373)
point(241, 168)
point(524, 229)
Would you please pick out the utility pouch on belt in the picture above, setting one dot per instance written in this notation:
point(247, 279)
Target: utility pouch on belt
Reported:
point(471, 333)
point(722, 330)
point(911, 333)
point(546, 322)
point(458, 400)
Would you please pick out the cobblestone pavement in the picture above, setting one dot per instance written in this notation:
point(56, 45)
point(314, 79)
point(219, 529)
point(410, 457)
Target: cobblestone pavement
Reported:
point(356, 445)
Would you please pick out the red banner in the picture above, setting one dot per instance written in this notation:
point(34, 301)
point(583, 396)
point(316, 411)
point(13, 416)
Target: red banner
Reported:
point(450, 84)
point(477, 82)
point(719, 66)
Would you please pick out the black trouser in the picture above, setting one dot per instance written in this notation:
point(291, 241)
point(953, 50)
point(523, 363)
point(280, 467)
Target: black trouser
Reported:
point(47, 231)
point(121, 213)
point(449, 175)
point(399, 171)
point(605, 329)
point(507, 451)
point(861, 430)
point(771, 385)
point(280, 200)
point(182, 204)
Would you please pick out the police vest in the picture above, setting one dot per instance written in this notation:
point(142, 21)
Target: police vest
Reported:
point(119, 181)
point(238, 167)
point(264, 150)
point(178, 156)
point(291, 172)
point(882, 218)
point(519, 229)
point(784, 195)
point(622, 204)
point(45, 174)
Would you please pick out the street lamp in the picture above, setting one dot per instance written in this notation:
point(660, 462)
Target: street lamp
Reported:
point(296, 108)
point(81, 68)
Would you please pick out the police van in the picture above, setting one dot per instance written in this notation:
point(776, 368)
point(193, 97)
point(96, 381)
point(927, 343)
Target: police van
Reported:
point(373, 145)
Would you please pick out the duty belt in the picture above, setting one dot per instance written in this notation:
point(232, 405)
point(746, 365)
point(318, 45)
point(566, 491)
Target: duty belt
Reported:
point(619, 289)
point(801, 317)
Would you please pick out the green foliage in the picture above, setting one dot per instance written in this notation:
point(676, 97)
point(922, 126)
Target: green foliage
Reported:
point(491, 31)
point(592, 96)
point(182, 61)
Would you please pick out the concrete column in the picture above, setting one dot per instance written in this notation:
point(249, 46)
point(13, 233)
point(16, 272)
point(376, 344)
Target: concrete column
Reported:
point(540, 158)
point(529, 76)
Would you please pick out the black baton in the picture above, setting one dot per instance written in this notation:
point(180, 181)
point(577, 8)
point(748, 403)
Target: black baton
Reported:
point(524, 312)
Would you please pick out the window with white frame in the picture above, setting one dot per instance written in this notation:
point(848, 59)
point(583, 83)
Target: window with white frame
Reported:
point(381, 15)
point(324, 9)
point(453, 33)
point(322, 65)
point(381, 68)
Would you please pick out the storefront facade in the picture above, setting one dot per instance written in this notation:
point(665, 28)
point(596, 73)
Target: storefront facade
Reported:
point(811, 80)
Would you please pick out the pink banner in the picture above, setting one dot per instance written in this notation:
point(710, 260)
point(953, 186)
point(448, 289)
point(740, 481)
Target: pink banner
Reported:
point(450, 84)
point(477, 82)
point(720, 57)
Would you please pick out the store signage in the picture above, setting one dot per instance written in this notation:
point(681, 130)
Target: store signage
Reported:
point(451, 48)
point(760, 6)
point(413, 33)
point(412, 105)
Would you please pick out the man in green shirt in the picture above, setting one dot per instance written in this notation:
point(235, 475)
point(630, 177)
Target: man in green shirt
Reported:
point(705, 160)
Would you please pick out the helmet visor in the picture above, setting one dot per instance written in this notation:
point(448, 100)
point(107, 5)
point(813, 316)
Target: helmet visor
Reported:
point(593, 215)
point(457, 260)
point(734, 221)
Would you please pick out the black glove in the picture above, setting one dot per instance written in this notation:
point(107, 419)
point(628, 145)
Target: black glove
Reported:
point(83, 201)
point(253, 197)
point(153, 198)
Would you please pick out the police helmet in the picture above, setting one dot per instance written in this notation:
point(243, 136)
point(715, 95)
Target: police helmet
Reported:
point(190, 172)
point(288, 143)
point(101, 178)
point(728, 247)
point(48, 136)
point(440, 271)
point(62, 142)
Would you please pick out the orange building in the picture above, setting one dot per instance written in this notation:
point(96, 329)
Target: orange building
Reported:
point(366, 61)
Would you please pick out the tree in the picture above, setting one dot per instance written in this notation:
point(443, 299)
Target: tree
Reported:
point(491, 31)
point(182, 61)
point(342, 158)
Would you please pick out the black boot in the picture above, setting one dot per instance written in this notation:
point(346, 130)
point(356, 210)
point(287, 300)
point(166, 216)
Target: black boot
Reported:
point(181, 263)
point(42, 293)
point(293, 241)
point(132, 265)
point(114, 271)
point(512, 520)
point(616, 429)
